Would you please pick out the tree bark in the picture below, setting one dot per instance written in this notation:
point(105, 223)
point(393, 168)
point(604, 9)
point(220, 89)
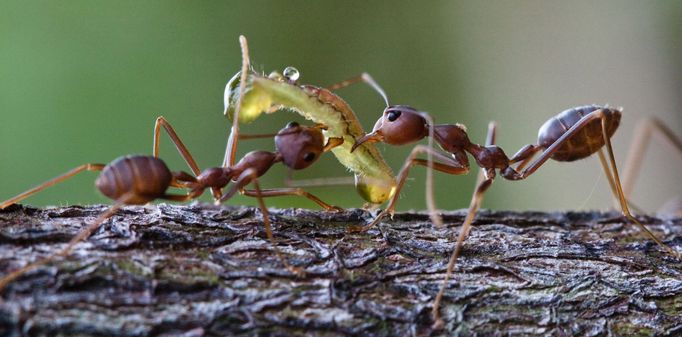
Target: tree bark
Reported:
point(200, 270)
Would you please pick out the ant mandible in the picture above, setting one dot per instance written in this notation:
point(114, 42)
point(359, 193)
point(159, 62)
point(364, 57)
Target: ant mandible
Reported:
point(573, 134)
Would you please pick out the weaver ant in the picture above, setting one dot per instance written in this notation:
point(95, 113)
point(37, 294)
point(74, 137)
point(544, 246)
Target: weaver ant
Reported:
point(573, 134)
point(134, 180)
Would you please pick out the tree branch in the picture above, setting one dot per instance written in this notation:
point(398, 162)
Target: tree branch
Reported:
point(199, 270)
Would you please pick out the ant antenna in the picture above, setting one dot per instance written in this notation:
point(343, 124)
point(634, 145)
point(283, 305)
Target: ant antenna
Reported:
point(430, 200)
point(369, 80)
point(364, 77)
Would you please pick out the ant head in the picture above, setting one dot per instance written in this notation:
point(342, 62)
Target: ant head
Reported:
point(399, 124)
point(299, 145)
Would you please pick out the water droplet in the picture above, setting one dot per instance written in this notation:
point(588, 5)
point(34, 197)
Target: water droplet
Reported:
point(291, 74)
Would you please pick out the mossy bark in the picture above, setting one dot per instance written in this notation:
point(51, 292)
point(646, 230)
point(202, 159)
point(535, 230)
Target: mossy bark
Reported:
point(200, 270)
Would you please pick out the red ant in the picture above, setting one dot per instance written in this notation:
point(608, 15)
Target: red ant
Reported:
point(137, 180)
point(573, 134)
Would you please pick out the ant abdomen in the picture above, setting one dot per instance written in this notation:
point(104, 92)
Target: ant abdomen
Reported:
point(583, 144)
point(143, 178)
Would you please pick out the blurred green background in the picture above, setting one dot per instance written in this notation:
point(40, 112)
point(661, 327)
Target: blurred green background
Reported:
point(83, 81)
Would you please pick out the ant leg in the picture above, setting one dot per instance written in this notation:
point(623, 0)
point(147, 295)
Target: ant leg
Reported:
point(231, 148)
point(610, 179)
point(489, 141)
point(184, 152)
point(332, 142)
point(178, 197)
point(183, 179)
point(524, 155)
point(447, 164)
point(643, 134)
point(268, 229)
point(277, 192)
point(250, 176)
point(430, 200)
point(621, 196)
point(483, 182)
point(67, 175)
point(364, 77)
point(82, 235)
point(317, 182)
point(466, 226)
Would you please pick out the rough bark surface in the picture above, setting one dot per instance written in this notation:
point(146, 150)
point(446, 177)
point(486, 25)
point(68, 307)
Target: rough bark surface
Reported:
point(200, 270)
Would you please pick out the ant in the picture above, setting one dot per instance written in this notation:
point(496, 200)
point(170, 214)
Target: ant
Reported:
point(571, 135)
point(140, 179)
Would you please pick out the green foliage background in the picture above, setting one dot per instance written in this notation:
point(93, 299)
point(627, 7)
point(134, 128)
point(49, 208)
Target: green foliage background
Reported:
point(83, 81)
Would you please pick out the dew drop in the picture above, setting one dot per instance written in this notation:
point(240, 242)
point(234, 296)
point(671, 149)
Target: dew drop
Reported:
point(291, 74)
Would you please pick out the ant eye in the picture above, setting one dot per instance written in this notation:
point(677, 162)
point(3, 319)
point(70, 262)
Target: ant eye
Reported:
point(309, 157)
point(393, 115)
point(292, 125)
